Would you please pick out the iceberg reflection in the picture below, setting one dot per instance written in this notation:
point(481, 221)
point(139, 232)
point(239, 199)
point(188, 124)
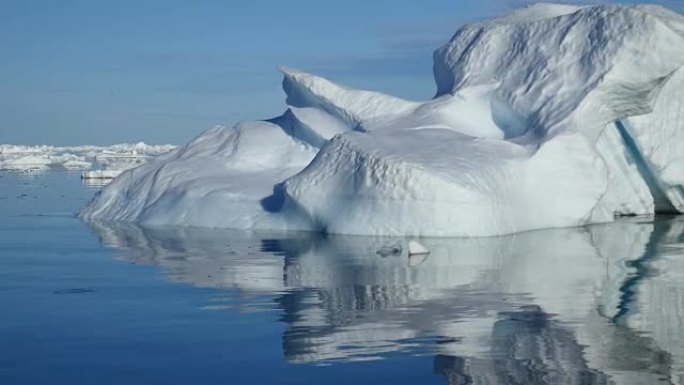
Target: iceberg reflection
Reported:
point(596, 305)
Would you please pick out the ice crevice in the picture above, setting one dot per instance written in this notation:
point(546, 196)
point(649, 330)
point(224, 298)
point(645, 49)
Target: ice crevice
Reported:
point(551, 116)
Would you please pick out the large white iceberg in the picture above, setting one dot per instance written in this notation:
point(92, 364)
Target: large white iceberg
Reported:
point(552, 116)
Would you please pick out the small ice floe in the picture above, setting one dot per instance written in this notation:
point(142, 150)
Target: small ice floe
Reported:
point(100, 174)
point(99, 177)
point(41, 158)
point(416, 248)
point(36, 161)
point(392, 250)
point(417, 253)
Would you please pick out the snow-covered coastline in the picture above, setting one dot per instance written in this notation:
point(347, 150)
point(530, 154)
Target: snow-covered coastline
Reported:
point(552, 116)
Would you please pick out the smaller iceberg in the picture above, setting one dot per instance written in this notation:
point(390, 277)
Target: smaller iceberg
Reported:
point(415, 248)
point(110, 161)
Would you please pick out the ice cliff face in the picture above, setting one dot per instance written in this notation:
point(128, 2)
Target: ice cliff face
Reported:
point(551, 116)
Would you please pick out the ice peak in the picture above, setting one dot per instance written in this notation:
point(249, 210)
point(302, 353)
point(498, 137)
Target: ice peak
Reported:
point(351, 105)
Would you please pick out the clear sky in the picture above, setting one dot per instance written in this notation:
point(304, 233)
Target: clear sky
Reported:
point(100, 72)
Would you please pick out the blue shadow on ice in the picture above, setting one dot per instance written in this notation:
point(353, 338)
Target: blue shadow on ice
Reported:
point(274, 202)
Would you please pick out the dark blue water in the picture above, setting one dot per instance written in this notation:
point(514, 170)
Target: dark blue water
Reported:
point(99, 303)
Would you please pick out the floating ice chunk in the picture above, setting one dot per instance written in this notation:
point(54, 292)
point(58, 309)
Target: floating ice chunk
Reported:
point(100, 174)
point(415, 248)
point(76, 163)
point(116, 157)
point(26, 163)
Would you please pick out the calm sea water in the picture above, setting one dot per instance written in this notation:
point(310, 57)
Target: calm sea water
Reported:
point(102, 303)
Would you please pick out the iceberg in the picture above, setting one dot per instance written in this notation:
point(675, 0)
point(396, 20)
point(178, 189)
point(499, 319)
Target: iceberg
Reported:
point(112, 159)
point(551, 116)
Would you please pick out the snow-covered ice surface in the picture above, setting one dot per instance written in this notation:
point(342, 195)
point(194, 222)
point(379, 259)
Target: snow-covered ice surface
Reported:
point(552, 116)
point(110, 160)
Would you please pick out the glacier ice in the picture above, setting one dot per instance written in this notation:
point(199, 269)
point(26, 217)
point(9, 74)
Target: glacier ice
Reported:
point(552, 116)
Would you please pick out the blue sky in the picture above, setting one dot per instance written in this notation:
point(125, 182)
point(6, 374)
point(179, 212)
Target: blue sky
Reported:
point(99, 72)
